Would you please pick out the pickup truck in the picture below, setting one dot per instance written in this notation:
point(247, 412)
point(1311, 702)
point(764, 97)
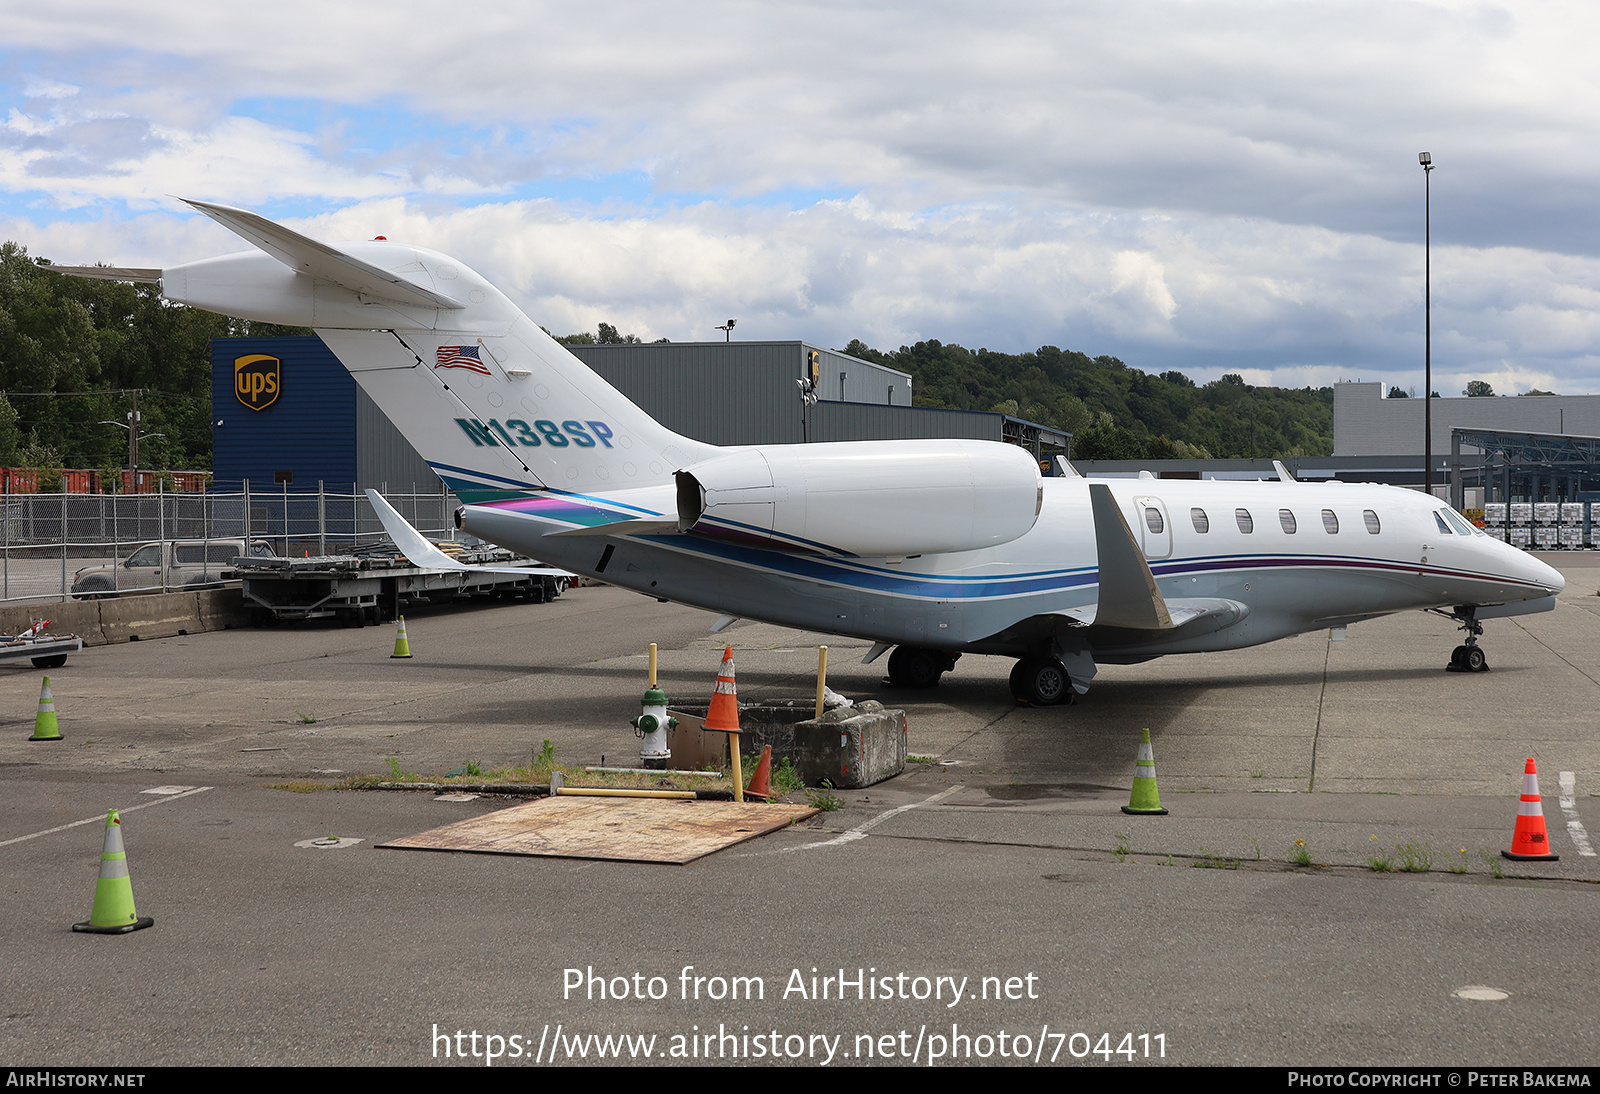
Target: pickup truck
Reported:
point(173, 564)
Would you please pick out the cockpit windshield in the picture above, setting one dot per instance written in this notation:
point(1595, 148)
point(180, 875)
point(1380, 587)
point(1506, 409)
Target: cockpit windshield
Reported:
point(1460, 523)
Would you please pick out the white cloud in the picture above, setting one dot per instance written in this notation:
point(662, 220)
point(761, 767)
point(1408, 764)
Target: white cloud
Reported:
point(1210, 186)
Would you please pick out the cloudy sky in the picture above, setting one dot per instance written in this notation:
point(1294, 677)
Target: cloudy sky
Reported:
point(1207, 186)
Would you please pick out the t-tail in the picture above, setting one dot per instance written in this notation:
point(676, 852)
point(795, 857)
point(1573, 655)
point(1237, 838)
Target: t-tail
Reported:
point(495, 405)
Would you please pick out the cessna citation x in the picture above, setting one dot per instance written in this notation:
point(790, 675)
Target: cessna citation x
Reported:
point(932, 548)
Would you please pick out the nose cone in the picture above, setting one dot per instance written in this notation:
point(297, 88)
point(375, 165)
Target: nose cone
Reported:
point(1547, 576)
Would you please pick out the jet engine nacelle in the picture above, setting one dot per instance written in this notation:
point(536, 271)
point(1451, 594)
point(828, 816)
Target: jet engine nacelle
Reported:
point(865, 497)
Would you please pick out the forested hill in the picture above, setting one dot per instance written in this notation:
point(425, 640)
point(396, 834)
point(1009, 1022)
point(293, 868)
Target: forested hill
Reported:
point(73, 351)
point(1114, 411)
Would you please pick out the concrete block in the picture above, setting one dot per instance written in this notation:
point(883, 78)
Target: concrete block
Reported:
point(159, 616)
point(848, 747)
point(222, 609)
point(81, 618)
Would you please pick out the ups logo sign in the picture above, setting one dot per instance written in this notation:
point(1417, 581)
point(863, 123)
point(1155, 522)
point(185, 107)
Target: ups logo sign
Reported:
point(257, 379)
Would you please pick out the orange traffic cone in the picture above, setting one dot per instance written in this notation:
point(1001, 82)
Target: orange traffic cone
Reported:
point(724, 712)
point(761, 781)
point(1530, 841)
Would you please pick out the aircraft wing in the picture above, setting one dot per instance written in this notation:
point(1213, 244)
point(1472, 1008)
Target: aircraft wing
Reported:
point(416, 546)
point(1221, 611)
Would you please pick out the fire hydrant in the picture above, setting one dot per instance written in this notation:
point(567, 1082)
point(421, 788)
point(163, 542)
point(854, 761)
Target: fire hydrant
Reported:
point(652, 725)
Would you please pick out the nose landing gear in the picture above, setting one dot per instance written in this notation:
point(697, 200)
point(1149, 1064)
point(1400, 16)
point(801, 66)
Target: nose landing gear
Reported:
point(1467, 657)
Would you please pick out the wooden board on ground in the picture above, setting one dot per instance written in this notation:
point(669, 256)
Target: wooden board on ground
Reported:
point(619, 829)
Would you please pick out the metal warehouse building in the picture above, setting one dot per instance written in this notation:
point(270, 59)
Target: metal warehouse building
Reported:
point(317, 426)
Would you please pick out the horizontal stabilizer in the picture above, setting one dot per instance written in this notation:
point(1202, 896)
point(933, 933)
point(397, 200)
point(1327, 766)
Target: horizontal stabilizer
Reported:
point(1128, 594)
point(111, 273)
point(420, 552)
point(624, 528)
point(322, 262)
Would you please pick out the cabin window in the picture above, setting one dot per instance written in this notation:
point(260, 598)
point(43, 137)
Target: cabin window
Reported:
point(1246, 525)
point(1444, 529)
point(1330, 522)
point(1286, 519)
point(1202, 523)
point(1153, 521)
point(1372, 521)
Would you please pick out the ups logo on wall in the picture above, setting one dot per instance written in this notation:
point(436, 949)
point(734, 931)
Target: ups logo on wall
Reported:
point(257, 379)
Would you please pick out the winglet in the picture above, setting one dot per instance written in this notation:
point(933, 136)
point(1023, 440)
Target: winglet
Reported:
point(421, 552)
point(412, 543)
point(1128, 594)
point(307, 256)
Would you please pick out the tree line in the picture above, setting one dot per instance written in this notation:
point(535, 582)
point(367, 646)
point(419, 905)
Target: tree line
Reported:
point(73, 352)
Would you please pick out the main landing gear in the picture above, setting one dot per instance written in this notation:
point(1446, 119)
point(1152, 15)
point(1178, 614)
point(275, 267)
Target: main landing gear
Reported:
point(916, 667)
point(1467, 657)
point(1041, 681)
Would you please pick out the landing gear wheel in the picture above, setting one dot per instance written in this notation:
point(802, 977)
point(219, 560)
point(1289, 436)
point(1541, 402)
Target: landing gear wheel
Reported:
point(1042, 682)
point(911, 667)
point(1474, 660)
point(1458, 656)
point(1018, 683)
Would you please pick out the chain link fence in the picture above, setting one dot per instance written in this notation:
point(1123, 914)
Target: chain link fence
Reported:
point(58, 546)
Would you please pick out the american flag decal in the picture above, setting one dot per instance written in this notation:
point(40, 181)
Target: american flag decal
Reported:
point(461, 357)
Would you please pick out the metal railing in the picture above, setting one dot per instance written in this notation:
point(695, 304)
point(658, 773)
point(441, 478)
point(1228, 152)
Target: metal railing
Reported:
point(50, 542)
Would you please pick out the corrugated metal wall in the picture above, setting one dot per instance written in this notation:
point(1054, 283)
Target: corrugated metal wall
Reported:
point(308, 430)
point(861, 422)
point(384, 456)
point(1367, 424)
point(745, 392)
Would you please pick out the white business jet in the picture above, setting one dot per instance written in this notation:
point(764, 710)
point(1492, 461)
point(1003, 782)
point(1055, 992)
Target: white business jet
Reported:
point(932, 548)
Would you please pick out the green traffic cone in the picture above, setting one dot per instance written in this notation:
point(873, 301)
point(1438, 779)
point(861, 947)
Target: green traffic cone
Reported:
point(402, 648)
point(113, 894)
point(1145, 798)
point(44, 723)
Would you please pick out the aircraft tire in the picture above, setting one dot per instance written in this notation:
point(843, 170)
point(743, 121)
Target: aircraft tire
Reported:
point(1474, 660)
point(1045, 682)
point(1458, 656)
point(914, 667)
point(1019, 690)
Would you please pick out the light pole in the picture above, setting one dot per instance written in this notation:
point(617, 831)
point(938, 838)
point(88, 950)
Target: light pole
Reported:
point(727, 330)
point(1426, 159)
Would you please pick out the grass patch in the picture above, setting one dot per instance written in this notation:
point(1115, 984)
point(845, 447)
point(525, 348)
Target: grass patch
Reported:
point(306, 786)
point(1210, 860)
point(1414, 859)
point(1496, 866)
point(823, 799)
point(1121, 849)
point(910, 759)
point(1298, 853)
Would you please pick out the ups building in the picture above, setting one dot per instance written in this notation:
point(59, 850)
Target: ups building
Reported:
point(285, 411)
